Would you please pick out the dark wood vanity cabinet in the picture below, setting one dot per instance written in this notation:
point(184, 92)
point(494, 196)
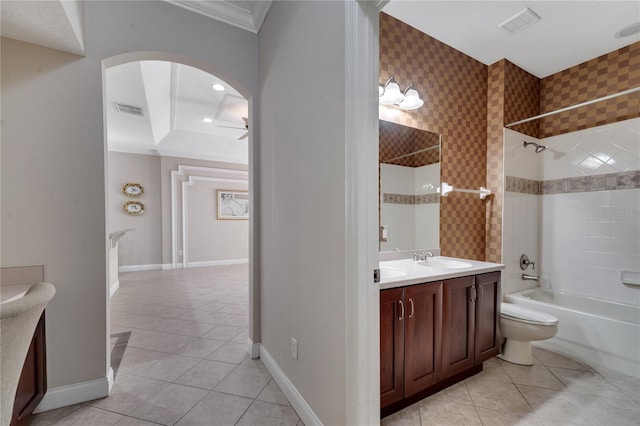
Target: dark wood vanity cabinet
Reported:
point(435, 334)
point(410, 339)
point(470, 322)
point(33, 379)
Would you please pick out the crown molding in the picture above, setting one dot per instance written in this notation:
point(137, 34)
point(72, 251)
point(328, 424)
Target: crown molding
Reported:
point(226, 11)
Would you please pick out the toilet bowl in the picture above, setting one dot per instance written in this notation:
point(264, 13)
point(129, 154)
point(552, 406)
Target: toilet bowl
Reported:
point(520, 326)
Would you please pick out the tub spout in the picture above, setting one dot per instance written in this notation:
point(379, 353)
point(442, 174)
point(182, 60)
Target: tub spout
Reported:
point(527, 277)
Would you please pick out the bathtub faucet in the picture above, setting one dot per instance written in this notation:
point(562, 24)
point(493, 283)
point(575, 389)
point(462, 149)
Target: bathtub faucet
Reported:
point(526, 277)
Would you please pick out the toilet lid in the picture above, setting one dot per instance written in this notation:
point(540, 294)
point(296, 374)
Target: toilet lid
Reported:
point(511, 310)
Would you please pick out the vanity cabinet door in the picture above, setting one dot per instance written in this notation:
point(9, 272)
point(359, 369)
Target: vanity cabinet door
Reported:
point(487, 337)
point(459, 325)
point(423, 337)
point(392, 320)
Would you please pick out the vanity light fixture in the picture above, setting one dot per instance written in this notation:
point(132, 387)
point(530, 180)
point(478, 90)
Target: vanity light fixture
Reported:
point(390, 94)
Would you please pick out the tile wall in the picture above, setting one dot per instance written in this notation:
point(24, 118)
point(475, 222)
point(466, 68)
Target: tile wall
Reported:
point(587, 209)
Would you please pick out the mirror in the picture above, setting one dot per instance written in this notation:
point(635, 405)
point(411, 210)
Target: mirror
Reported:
point(409, 202)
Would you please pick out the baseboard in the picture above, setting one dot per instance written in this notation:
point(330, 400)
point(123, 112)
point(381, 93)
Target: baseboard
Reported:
point(63, 396)
point(217, 263)
point(114, 288)
point(253, 349)
point(166, 266)
point(298, 403)
point(137, 268)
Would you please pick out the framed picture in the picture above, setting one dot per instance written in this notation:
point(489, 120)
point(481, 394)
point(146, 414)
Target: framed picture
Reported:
point(132, 190)
point(233, 205)
point(133, 208)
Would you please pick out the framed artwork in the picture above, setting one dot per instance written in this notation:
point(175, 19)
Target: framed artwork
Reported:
point(132, 190)
point(133, 208)
point(232, 205)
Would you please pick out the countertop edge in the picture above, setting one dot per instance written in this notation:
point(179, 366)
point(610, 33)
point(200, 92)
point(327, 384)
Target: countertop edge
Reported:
point(400, 282)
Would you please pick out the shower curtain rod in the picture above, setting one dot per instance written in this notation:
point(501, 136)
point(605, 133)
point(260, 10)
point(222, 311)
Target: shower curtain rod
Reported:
point(546, 114)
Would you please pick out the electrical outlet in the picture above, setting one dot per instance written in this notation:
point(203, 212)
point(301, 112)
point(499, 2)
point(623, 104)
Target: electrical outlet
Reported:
point(294, 348)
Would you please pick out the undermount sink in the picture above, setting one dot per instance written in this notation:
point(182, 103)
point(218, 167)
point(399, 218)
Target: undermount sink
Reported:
point(445, 264)
point(387, 272)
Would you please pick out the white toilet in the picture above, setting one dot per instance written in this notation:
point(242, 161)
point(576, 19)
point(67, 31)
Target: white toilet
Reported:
point(520, 326)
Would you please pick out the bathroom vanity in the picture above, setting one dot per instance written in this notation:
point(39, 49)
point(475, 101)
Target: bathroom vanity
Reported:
point(438, 323)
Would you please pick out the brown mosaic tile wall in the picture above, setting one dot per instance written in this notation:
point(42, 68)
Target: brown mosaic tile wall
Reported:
point(512, 94)
point(400, 141)
point(454, 87)
point(607, 74)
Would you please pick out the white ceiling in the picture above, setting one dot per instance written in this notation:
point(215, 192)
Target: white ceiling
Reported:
point(56, 24)
point(174, 99)
point(570, 32)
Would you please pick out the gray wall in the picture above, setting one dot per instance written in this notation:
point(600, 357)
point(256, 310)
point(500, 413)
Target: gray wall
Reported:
point(302, 185)
point(53, 159)
point(143, 245)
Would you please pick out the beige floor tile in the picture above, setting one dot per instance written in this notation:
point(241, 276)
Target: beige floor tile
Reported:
point(496, 395)
point(230, 352)
point(234, 309)
point(272, 393)
point(128, 393)
point(169, 405)
point(532, 375)
point(457, 393)
point(170, 368)
point(551, 359)
point(241, 337)
point(244, 381)
point(216, 409)
point(587, 382)
point(554, 407)
point(490, 417)
point(49, 418)
point(410, 416)
point(206, 374)
point(223, 332)
point(200, 348)
point(262, 413)
point(492, 370)
point(186, 328)
point(237, 321)
point(445, 413)
point(131, 421)
point(86, 415)
point(136, 360)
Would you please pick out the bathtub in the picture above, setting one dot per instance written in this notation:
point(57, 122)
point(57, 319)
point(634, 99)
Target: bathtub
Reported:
point(594, 331)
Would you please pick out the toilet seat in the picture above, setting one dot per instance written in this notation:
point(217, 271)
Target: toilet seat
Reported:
point(526, 315)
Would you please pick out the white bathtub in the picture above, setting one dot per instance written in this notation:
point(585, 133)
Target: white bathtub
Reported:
point(595, 331)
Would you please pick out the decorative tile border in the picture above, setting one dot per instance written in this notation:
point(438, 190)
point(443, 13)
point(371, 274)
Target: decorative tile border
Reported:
point(611, 181)
point(388, 198)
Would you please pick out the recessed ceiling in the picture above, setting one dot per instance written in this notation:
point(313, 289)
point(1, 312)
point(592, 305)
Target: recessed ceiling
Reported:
point(247, 15)
point(569, 33)
point(174, 99)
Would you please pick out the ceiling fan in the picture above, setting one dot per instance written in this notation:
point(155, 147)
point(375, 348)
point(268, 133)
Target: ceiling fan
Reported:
point(246, 127)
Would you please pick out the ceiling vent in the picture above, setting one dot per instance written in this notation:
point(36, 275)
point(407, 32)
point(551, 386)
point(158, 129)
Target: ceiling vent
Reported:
point(521, 20)
point(129, 109)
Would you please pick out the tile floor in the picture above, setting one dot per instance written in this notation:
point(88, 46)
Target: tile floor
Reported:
point(179, 353)
point(554, 391)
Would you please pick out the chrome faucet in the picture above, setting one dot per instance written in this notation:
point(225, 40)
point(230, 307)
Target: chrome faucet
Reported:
point(420, 256)
point(527, 277)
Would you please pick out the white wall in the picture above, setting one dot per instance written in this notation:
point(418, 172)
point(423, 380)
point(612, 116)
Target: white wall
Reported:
point(521, 213)
point(302, 187)
point(53, 159)
point(143, 245)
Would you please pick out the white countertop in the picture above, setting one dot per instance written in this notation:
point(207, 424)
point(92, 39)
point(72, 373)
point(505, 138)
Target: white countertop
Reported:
point(9, 293)
point(421, 272)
